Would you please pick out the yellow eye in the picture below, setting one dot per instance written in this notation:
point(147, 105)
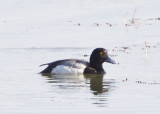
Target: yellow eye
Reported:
point(101, 53)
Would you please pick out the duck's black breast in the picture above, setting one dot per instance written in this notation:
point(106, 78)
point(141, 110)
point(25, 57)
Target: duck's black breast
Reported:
point(67, 62)
point(90, 70)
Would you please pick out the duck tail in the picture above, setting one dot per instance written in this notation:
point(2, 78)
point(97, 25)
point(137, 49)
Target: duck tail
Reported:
point(43, 64)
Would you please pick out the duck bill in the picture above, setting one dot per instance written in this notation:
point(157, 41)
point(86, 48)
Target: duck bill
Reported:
point(109, 60)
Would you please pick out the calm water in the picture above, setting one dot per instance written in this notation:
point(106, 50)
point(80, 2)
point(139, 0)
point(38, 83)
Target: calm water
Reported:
point(31, 36)
point(130, 87)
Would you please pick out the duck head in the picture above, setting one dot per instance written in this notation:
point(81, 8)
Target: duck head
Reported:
point(98, 57)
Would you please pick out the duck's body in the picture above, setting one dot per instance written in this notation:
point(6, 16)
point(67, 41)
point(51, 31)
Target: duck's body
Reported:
point(75, 66)
point(67, 66)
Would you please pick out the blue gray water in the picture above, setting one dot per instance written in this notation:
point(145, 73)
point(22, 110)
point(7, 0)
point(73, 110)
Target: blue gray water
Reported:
point(31, 36)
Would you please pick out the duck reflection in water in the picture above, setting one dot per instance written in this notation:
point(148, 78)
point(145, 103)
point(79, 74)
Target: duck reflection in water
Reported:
point(96, 83)
point(95, 80)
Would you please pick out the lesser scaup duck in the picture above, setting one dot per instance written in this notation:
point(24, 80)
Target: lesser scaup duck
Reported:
point(75, 66)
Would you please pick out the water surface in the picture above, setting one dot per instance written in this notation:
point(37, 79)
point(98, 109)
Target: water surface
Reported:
point(33, 33)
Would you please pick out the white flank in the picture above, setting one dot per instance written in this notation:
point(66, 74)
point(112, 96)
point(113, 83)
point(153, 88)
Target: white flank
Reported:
point(62, 69)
